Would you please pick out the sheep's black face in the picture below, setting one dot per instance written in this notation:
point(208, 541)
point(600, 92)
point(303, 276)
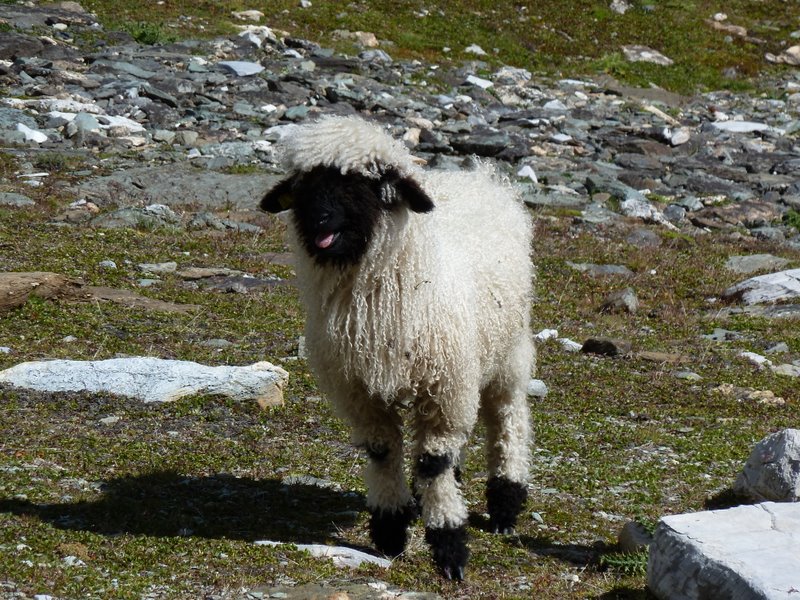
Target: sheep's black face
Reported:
point(336, 214)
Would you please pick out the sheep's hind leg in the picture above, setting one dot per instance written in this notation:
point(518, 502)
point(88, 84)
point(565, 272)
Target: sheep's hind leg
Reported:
point(505, 411)
point(378, 429)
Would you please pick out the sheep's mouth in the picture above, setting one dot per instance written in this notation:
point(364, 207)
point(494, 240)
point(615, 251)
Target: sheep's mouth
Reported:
point(326, 239)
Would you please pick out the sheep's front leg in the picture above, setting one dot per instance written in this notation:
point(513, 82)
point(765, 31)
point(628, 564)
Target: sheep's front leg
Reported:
point(439, 440)
point(378, 429)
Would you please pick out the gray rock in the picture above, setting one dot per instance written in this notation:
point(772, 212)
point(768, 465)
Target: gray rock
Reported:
point(643, 238)
point(772, 472)
point(750, 552)
point(634, 537)
point(241, 68)
point(606, 346)
point(149, 379)
point(644, 54)
point(722, 335)
point(10, 117)
point(786, 370)
point(746, 264)
point(774, 287)
point(537, 388)
point(674, 213)
point(601, 270)
point(13, 199)
point(621, 301)
point(177, 185)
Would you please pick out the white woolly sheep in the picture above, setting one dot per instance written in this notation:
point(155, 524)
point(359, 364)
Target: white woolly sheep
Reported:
point(417, 287)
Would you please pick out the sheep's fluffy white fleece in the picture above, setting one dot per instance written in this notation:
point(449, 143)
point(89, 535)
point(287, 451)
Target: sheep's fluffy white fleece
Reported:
point(437, 309)
point(349, 144)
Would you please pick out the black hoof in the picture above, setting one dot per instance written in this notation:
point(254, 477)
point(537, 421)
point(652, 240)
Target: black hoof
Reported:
point(389, 530)
point(449, 549)
point(504, 499)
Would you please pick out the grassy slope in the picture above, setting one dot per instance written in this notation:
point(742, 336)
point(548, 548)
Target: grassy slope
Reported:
point(553, 36)
point(186, 487)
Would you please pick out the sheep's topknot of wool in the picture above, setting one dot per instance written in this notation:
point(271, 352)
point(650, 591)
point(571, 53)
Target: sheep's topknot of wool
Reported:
point(349, 144)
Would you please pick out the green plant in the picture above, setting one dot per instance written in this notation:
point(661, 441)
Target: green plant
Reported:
point(792, 218)
point(149, 33)
point(627, 563)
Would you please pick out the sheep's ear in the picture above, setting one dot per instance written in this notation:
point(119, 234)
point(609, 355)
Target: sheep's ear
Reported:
point(279, 198)
point(410, 192)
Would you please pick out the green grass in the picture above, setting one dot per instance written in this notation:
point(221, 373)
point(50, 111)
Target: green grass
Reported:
point(172, 495)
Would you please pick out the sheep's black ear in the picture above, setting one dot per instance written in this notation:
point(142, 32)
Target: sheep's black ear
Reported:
point(410, 192)
point(279, 198)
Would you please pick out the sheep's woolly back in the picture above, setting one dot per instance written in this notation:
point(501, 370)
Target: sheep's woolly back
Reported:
point(349, 144)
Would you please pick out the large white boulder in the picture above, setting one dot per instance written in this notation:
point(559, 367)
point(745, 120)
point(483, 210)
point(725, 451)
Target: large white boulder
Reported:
point(749, 552)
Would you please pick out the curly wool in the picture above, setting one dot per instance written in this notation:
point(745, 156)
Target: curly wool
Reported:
point(431, 312)
point(438, 301)
point(349, 144)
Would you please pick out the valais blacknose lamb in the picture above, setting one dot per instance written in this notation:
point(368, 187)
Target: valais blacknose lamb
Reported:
point(417, 287)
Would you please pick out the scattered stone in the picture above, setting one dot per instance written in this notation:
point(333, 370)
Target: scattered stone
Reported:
point(687, 375)
point(31, 135)
point(774, 287)
point(663, 357)
point(158, 268)
point(744, 265)
point(621, 301)
point(545, 334)
point(790, 56)
point(750, 395)
point(620, 6)
point(606, 346)
point(740, 126)
point(786, 370)
point(107, 264)
point(475, 49)
point(633, 538)
point(645, 54)
point(339, 555)
point(601, 270)
point(569, 345)
point(778, 348)
point(110, 420)
point(17, 288)
point(643, 238)
point(12, 199)
point(151, 379)
point(537, 388)
point(750, 551)
point(241, 68)
point(722, 335)
point(772, 472)
point(756, 359)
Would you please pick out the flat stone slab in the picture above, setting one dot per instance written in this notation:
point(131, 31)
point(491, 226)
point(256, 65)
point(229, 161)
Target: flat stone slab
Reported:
point(748, 552)
point(151, 379)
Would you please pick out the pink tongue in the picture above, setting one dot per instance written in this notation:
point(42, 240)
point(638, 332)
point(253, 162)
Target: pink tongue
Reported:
point(324, 240)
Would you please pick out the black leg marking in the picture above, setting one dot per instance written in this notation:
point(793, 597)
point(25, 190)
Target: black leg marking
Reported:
point(377, 452)
point(388, 529)
point(504, 499)
point(458, 474)
point(449, 549)
point(432, 465)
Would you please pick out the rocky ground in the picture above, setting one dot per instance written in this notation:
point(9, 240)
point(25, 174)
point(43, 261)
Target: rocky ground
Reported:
point(138, 169)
